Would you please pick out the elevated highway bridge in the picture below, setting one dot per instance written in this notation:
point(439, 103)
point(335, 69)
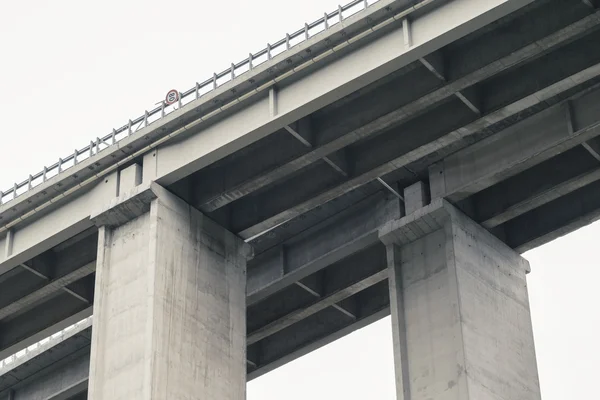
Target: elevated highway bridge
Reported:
point(333, 176)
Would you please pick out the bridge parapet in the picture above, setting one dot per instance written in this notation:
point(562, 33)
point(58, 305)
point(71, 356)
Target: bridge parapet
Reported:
point(267, 60)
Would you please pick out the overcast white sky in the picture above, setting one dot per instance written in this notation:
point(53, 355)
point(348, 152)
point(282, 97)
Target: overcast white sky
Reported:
point(71, 70)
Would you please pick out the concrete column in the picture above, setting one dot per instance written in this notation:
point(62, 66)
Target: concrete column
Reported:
point(460, 310)
point(170, 303)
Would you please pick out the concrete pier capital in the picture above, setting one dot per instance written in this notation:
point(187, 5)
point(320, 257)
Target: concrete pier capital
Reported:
point(435, 216)
point(137, 201)
point(170, 302)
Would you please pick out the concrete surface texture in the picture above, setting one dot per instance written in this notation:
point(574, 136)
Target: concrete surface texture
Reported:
point(460, 310)
point(464, 102)
point(169, 315)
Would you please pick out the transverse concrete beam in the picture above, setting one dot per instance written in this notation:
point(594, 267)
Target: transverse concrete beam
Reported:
point(47, 290)
point(519, 147)
point(380, 124)
point(317, 248)
point(319, 305)
point(420, 152)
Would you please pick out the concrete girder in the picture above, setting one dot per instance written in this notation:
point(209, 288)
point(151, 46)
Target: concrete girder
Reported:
point(244, 86)
point(543, 198)
point(72, 227)
point(43, 321)
point(355, 314)
point(55, 264)
point(531, 188)
point(334, 285)
point(336, 239)
point(51, 287)
point(320, 305)
point(318, 247)
point(38, 296)
point(521, 146)
point(54, 370)
point(272, 350)
point(318, 330)
point(43, 206)
point(428, 148)
point(371, 306)
point(343, 76)
point(553, 219)
point(75, 373)
point(351, 201)
point(64, 220)
point(515, 57)
point(63, 381)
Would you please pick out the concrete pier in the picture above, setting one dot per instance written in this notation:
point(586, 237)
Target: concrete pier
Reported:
point(170, 309)
point(460, 310)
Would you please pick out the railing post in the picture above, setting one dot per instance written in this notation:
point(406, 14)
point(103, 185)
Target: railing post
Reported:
point(197, 89)
point(162, 109)
point(15, 191)
point(44, 172)
point(178, 99)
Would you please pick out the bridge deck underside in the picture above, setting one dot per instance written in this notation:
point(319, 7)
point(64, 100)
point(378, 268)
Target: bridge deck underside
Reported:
point(510, 115)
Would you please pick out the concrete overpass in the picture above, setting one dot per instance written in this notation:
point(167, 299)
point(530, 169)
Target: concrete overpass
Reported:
point(364, 165)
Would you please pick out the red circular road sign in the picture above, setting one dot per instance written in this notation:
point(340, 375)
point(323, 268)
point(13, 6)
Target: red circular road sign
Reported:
point(172, 96)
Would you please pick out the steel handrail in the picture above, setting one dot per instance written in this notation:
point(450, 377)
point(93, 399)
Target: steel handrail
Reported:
point(199, 90)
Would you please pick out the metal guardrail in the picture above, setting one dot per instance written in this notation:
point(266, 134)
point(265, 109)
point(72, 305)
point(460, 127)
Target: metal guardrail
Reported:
point(199, 90)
